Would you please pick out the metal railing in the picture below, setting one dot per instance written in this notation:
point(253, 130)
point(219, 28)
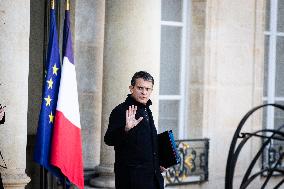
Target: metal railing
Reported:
point(194, 163)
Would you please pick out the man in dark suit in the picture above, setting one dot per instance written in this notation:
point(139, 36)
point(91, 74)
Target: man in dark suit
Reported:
point(132, 132)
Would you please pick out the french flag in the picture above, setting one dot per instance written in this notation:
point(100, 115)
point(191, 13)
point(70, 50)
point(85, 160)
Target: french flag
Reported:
point(66, 147)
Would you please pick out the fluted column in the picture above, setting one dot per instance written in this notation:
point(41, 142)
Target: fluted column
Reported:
point(89, 66)
point(132, 43)
point(14, 69)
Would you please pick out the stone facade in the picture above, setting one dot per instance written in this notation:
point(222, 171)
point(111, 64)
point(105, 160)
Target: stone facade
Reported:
point(112, 40)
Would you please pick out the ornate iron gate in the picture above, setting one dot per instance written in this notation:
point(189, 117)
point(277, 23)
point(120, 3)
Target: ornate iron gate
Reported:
point(273, 156)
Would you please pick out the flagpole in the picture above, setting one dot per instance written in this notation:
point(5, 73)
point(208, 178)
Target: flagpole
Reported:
point(43, 177)
point(44, 43)
point(52, 4)
point(64, 183)
point(67, 5)
point(43, 171)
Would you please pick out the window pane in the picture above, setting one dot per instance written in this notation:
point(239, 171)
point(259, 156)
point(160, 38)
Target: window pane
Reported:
point(278, 120)
point(170, 60)
point(280, 20)
point(266, 66)
point(172, 10)
point(168, 116)
point(280, 67)
point(267, 18)
point(264, 115)
point(279, 116)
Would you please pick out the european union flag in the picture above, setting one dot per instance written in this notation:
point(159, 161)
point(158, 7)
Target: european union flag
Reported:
point(49, 100)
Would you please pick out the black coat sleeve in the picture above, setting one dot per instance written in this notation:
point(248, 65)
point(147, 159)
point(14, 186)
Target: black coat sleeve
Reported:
point(115, 133)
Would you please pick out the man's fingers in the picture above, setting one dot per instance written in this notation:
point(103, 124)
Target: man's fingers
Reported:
point(133, 110)
point(129, 111)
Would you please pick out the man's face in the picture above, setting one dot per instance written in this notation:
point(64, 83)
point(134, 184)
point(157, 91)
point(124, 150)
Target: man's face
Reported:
point(142, 90)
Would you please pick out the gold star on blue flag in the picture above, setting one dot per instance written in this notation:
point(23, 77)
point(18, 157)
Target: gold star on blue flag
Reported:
point(50, 83)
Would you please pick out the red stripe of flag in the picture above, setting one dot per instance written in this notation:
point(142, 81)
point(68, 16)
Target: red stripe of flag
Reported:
point(67, 150)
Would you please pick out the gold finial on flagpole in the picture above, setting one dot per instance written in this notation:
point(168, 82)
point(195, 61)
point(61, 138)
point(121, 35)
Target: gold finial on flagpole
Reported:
point(52, 4)
point(67, 5)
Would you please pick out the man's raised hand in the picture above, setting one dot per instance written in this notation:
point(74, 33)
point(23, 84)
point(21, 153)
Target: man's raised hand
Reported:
point(131, 121)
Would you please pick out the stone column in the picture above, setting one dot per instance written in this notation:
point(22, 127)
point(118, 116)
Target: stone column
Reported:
point(14, 70)
point(89, 44)
point(132, 43)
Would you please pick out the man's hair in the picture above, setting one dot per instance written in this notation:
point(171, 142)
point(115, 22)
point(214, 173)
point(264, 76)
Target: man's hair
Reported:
point(142, 74)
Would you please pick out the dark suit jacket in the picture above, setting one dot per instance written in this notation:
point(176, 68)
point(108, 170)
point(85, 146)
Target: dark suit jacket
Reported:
point(136, 154)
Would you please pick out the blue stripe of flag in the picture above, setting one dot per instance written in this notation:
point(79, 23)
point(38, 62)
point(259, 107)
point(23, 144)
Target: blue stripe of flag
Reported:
point(67, 49)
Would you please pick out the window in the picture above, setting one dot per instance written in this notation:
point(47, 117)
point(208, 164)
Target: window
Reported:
point(273, 74)
point(181, 20)
point(173, 66)
point(274, 62)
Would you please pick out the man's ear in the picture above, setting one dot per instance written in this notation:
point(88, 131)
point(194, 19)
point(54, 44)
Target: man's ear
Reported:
point(131, 89)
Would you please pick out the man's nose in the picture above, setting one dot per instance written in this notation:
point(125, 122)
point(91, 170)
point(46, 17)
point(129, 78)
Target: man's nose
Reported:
point(144, 91)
